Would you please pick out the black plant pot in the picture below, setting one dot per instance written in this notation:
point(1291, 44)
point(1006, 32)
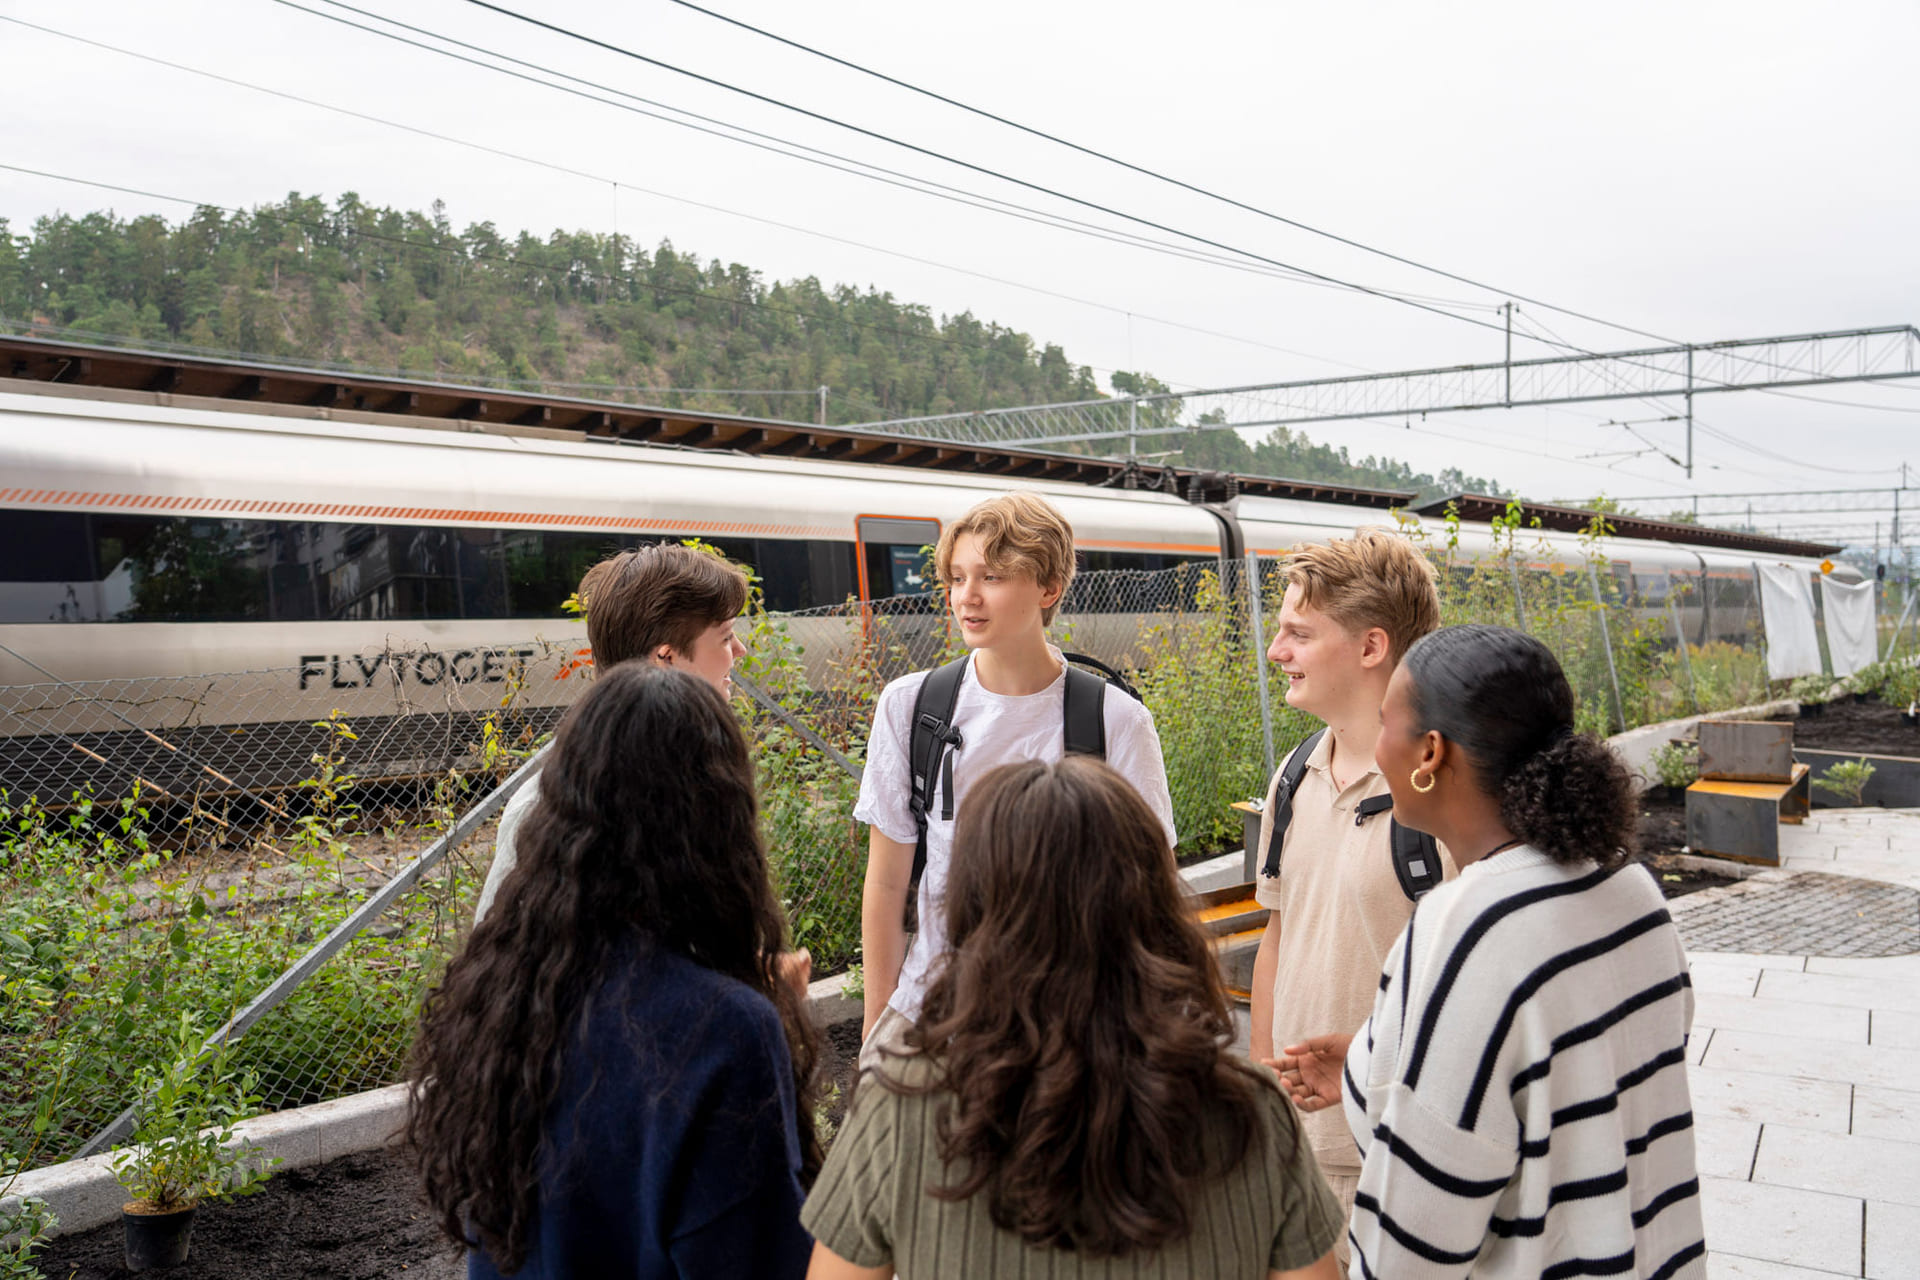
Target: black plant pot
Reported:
point(1909, 719)
point(156, 1240)
point(1812, 710)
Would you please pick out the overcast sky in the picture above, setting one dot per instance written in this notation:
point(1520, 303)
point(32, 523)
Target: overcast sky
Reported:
point(1701, 171)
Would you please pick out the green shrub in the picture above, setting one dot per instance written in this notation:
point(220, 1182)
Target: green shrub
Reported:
point(1847, 780)
point(1677, 764)
point(1811, 690)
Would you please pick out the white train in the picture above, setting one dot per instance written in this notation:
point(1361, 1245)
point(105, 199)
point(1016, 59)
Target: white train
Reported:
point(144, 535)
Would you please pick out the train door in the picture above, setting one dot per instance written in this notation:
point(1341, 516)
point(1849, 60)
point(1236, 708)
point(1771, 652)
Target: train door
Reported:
point(901, 618)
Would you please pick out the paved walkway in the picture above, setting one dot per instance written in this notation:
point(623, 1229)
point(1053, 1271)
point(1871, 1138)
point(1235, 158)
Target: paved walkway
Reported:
point(1806, 1067)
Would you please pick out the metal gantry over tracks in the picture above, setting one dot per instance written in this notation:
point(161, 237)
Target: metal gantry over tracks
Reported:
point(1681, 371)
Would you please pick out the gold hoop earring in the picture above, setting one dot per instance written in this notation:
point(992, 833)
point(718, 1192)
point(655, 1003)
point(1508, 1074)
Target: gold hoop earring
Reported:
point(1432, 782)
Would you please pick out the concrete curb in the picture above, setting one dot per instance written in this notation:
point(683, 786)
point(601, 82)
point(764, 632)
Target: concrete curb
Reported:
point(1636, 746)
point(85, 1194)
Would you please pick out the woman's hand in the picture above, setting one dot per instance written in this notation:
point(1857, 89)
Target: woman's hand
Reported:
point(1310, 1071)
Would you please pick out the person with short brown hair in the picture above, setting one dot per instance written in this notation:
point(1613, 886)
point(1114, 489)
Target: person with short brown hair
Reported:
point(667, 604)
point(1351, 611)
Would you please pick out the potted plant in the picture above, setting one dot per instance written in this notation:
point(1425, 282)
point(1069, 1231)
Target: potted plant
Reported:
point(182, 1150)
point(1812, 693)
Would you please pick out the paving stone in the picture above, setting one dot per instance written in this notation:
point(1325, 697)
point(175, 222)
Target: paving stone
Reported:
point(1723, 1147)
point(1792, 964)
point(1856, 1064)
point(1887, 1113)
point(1894, 1029)
point(1725, 979)
point(1771, 1099)
point(1728, 1266)
point(1846, 989)
point(1782, 1224)
point(1903, 968)
point(1697, 1044)
point(1804, 913)
point(1780, 1017)
point(1839, 1163)
point(1893, 1241)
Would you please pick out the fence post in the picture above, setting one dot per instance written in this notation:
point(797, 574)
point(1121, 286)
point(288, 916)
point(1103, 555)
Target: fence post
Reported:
point(1606, 642)
point(1760, 605)
point(1893, 639)
point(1686, 659)
point(1260, 657)
point(376, 904)
point(1519, 600)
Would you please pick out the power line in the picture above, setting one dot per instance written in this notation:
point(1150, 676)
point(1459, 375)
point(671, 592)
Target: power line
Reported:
point(965, 164)
point(1161, 177)
point(864, 169)
point(666, 195)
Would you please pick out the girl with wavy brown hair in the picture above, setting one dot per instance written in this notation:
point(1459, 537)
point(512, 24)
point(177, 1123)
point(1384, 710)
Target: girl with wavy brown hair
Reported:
point(1069, 1104)
point(613, 1079)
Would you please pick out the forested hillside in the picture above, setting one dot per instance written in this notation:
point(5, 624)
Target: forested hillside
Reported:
point(579, 311)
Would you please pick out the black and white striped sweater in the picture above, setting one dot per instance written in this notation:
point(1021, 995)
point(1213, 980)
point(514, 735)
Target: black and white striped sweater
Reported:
point(1520, 1093)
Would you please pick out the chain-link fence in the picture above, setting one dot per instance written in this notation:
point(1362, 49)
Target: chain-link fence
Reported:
point(283, 896)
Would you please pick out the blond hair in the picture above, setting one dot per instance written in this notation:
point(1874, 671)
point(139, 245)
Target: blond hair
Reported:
point(1019, 533)
point(1373, 579)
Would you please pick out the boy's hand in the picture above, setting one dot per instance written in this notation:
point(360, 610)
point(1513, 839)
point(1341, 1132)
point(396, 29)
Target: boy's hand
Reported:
point(1310, 1071)
point(795, 968)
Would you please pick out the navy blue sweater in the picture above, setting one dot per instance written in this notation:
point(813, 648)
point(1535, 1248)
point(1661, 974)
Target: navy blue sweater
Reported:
point(681, 1159)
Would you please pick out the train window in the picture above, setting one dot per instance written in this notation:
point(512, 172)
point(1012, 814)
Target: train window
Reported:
point(75, 567)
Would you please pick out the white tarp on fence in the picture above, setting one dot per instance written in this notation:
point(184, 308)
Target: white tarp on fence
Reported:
point(1852, 642)
point(1786, 607)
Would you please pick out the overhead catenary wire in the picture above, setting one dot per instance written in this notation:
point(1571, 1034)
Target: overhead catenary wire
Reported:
point(862, 130)
point(984, 170)
point(601, 179)
point(838, 162)
point(1166, 178)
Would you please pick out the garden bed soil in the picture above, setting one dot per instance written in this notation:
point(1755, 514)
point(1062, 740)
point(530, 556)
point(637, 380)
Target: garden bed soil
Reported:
point(1663, 833)
point(1863, 728)
point(355, 1218)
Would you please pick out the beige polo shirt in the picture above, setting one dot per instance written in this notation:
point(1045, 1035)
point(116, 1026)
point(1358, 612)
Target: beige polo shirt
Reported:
point(1340, 909)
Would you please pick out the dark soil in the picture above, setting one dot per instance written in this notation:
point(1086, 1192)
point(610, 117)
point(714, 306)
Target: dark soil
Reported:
point(1869, 728)
point(355, 1218)
point(1663, 833)
point(839, 1058)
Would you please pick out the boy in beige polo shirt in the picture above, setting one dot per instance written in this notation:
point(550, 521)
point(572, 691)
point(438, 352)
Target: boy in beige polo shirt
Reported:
point(1351, 610)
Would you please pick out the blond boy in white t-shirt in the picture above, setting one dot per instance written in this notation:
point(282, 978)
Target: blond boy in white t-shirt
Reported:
point(1005, 566)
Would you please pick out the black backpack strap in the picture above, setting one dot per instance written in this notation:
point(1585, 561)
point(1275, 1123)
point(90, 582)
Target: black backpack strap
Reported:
point(1416, 855)
point(1290, 775)
point(930, 758)
point(1416, 861)
point(1086, 714)
point(1113, 677)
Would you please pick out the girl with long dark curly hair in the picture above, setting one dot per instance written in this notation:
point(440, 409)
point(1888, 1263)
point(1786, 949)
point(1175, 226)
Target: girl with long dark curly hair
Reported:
point(613, 1079)
point(1520, 1094)
point(1068, 1104)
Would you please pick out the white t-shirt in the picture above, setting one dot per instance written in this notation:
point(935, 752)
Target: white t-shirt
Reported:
point(996, 729)
point(518, 805)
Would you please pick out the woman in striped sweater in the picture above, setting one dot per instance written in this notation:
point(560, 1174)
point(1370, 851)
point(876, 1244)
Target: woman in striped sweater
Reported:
point(1520, 1093)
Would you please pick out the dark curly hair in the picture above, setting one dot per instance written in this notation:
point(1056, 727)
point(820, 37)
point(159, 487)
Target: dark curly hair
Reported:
point(1078, 1029)
point(1500, 695)
point(645, 834)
